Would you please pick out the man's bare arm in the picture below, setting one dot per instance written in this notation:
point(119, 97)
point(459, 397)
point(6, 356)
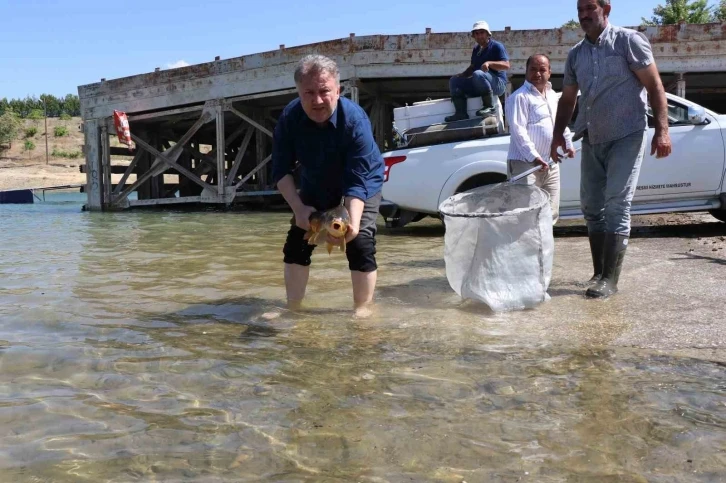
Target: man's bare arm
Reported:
point(565, 108)
point(287, 189)
point(649, 77)
point(499, 65)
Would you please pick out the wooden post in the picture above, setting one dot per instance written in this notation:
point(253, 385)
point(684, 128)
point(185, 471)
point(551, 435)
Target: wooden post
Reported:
point(681, 85)
point(92, 148)
point(261, 152)
point(220, 149)
point(156, 183)
point(106, 166)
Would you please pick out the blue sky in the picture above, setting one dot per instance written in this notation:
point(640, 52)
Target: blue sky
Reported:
point(55, 46)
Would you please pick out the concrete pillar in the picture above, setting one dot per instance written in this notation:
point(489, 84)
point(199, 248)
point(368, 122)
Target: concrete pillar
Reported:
point(352, 86)
point(92, 148)
point(220, 146)
point(681, 85)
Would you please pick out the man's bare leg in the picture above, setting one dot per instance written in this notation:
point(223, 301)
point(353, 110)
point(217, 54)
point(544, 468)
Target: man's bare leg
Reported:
point(296, 281)
point(364, 284)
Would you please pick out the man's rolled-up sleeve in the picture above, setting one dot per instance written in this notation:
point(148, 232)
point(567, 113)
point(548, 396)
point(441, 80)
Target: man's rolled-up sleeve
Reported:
point(640, 53)
point(363, 175)
point(570, 78)
point(283, 152)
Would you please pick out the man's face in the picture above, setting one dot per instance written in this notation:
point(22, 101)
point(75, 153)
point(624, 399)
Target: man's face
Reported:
point(319, 93)
point(592, 16)
point(481, 37)
point(538, 71)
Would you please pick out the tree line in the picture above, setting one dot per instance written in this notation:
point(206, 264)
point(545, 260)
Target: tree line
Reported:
point(677, 11)
point(33, 107)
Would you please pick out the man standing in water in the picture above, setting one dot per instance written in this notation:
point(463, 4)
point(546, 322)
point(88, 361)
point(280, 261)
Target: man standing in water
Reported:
point(613, 67)
point(332, 139)
point(531, 111)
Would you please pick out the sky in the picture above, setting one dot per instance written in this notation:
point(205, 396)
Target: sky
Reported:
point(55, 46)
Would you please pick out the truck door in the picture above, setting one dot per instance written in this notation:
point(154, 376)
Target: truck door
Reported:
point(696, 163)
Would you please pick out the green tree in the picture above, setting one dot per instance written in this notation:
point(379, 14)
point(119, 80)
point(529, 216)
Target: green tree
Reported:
point(719, 13)
point(72, 105)
point(51, 104)
point(572, 24)
point(676, 11)
point(35, 114)
point(10, 127)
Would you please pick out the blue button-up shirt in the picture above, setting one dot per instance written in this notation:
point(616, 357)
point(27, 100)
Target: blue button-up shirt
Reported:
point(613, 100)
point(494, 51)
point(339, 159)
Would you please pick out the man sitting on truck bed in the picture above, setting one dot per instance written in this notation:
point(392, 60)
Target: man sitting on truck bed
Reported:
point(485, 77)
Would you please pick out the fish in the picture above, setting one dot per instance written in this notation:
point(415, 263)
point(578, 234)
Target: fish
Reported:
point(334, 222)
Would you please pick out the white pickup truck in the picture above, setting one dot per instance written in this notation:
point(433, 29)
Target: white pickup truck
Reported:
point(418, 179)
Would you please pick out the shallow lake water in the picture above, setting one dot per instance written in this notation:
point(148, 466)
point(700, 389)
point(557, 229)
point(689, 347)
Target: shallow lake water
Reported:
point(154, 346)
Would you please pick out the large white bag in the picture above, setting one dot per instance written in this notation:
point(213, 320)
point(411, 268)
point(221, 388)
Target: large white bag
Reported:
point(499, 246)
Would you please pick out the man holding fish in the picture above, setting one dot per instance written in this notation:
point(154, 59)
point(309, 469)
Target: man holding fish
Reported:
point(341, 178)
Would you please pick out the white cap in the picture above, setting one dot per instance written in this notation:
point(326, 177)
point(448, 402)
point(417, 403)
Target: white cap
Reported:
point(481, 25)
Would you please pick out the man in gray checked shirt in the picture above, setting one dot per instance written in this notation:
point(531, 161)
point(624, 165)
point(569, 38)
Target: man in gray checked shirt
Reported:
point(613, 67)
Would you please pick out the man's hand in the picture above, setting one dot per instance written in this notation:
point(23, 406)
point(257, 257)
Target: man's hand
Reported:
point(351, 233)
point(539, 161)
point(661, 144)
point(558, 141)
point(302, 216)
point(349, 236)
point(485, 66)
point(570, 152)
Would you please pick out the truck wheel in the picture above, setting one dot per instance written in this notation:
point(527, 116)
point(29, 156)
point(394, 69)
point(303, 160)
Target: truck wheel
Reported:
point(719, 214)
point(480, 180)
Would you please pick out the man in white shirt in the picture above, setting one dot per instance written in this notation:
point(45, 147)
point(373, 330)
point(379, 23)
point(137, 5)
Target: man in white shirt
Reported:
point(531, 112)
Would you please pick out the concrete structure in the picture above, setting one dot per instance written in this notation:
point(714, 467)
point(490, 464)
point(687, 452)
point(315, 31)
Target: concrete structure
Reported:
point(203, 132)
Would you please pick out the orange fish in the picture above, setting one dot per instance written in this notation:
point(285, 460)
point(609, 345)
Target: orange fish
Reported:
point(334, 222)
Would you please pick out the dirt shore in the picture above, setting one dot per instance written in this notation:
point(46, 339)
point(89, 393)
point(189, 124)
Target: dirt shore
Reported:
point(14, 174)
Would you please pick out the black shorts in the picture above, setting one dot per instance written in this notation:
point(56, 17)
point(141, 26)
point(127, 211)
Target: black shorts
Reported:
point(361, 251)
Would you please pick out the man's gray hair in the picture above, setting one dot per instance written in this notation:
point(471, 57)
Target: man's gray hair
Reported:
point(602, 3)
point(315, 64)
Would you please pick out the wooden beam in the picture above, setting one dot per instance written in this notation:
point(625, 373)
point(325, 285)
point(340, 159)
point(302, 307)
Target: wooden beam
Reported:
point(175, 151)
point(122, 151)
point(251, 173)
point(143, 144)
point(170, 163)
point(248, 119)
point(220, 150)
point(166, 201)
point(251, 97)
point(240, 154)
point(106, 165)
point(127, 173)
point(170, 112)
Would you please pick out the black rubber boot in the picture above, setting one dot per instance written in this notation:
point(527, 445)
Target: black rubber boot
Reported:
point(597, 250)
point(487, 108)
point(460, 106)
point(615, 246)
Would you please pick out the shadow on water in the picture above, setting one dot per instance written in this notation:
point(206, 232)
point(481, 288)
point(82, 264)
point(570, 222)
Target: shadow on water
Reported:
point(428, 230)
point(563, 288)
point(429, 263)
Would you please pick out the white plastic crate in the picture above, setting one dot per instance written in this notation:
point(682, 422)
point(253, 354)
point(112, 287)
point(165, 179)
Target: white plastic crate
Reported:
point(426, 113)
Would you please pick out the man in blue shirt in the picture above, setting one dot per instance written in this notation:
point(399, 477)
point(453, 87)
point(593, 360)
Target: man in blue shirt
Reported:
point(332, 140)
point(485, 77)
